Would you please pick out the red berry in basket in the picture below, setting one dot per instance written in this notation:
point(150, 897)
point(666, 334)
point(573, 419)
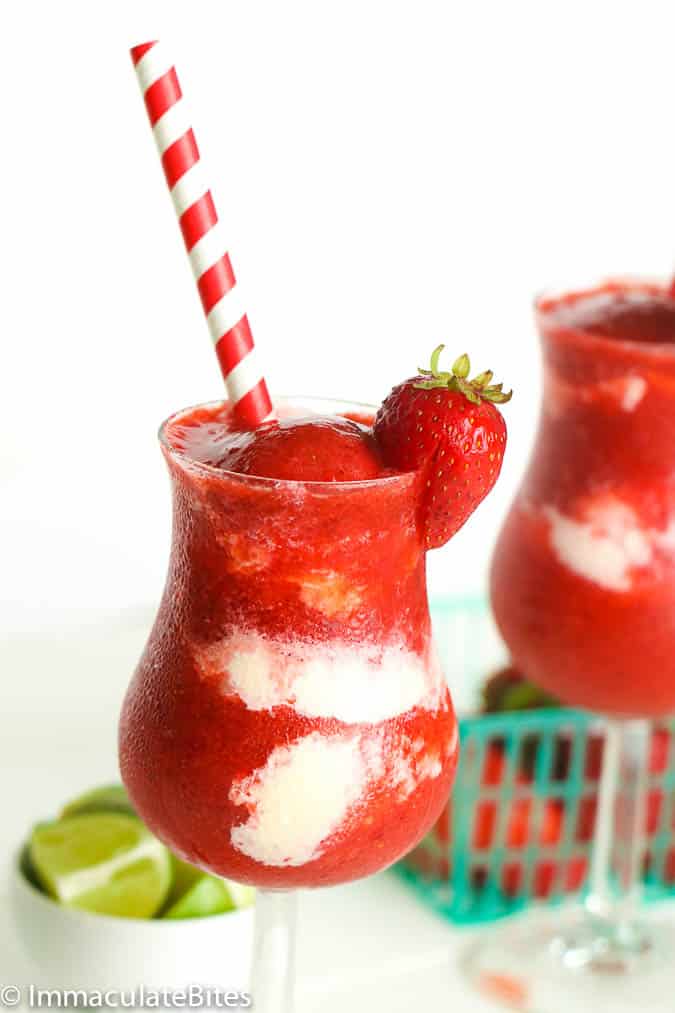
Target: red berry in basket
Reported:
point(544, 878)
point(657, 763)
point(450, 427)
point(575, 874)
point(512, 880)
point(520, 833)
point(586, 814)
point(658, 751)
point(654, 806)
point(519, 830)
point(550, 823)
point(594, 751)
point(494, 765)
point(493, 773)
point(484, 823)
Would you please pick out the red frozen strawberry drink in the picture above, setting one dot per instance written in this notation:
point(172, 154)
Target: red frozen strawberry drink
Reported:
point(289, 724)
point(583, 579)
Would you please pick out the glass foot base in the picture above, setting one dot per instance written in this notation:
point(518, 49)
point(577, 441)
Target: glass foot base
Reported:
point(564, 962)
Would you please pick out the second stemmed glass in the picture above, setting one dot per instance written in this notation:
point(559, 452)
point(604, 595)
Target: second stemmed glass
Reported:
point(583, 590)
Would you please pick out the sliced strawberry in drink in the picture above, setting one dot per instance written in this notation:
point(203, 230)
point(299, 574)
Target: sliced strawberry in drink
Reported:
point(319, 449)
point(625, 319)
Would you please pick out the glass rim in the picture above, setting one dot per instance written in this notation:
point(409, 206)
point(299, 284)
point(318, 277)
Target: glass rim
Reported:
point(637, 282)
point(401, 477)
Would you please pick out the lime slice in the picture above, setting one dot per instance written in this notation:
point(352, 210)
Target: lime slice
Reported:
point(184, 878)
point(111, 798)
point(27, 869)
point(211, 896)
point(108, 863)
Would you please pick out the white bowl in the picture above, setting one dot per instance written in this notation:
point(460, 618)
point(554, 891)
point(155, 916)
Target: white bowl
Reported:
point(76, 949)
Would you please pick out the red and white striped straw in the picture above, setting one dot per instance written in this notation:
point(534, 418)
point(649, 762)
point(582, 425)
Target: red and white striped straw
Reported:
point(204, 241)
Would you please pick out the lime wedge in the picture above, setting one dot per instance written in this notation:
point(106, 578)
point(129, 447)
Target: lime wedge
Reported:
point(27, 870)
point(211, 896)
point(108, 863)
point(111, 798)
point(184, 877)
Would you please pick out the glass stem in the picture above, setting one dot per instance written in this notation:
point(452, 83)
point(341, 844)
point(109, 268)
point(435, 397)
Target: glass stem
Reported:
point(273, 968)
point(619, 840)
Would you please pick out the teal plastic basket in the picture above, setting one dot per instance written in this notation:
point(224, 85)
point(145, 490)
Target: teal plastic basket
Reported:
point(518, 826)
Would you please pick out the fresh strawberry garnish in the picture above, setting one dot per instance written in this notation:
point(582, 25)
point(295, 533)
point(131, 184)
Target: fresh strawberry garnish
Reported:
point(450, 427)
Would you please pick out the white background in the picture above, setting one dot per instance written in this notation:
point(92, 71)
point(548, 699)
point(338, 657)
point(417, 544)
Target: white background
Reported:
point(390, 174)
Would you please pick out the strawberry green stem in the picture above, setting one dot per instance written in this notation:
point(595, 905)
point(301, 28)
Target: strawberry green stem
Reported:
point(476, 390)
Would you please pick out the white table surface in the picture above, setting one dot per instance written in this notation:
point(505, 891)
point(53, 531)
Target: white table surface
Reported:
point(370, 945)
